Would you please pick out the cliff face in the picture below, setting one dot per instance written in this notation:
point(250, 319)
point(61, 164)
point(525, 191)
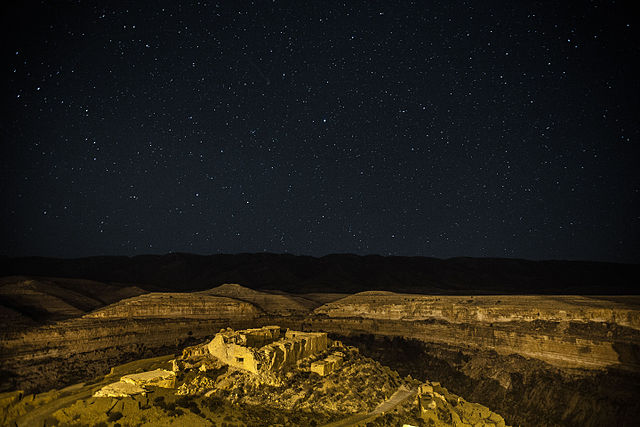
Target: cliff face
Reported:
point(173, 305)
point(41, 357)
point(528, 392)
point(621, 311)
point(565, 331)
point(79, 349)
point(550, 346)
point(277, 304)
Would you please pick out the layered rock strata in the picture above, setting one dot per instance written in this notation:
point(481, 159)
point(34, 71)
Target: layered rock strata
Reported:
point(277, 304)
point(565, 331)
point(173, 305)
point(68, 351)
point(29, 301)
point(549, 338)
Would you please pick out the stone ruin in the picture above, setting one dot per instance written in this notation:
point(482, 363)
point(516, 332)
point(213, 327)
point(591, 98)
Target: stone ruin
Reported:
point(268, 350)
point(328, 364)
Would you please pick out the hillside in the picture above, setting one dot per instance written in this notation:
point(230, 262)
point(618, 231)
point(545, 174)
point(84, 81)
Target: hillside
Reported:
point(311, 381)
point(34, 300)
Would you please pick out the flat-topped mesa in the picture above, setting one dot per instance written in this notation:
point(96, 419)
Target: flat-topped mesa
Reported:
point(175, 305)
point(266, 350)
point(619, 310)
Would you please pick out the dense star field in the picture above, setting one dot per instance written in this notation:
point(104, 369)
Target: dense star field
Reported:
point(505, 129)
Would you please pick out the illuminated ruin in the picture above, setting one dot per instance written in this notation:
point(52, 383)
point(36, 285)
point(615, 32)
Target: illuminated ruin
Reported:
point(266, 350)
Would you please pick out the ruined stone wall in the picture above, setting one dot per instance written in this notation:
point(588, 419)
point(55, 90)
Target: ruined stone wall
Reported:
point(328, 364)
point(238, 349)
point(311, 342)
point(296, 346)
point(233, 354)
point(260, 337)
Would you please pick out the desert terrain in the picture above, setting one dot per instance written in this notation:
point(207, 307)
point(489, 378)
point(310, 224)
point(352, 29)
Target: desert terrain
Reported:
point(534, 358)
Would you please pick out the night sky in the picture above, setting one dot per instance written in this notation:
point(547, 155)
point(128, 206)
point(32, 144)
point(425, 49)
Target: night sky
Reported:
point(501, 129)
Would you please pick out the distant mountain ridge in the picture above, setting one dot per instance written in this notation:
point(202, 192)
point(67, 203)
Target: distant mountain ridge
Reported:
point(341, 273)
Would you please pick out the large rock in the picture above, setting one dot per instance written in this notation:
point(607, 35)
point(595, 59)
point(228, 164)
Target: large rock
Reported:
point(157, 378)
point(119, 389)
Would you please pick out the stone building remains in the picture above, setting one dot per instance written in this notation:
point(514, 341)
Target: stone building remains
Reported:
point(266, 350)
point(328, 364)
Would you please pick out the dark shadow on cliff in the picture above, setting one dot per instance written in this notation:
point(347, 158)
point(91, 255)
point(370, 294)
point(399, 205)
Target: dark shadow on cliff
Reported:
point(524, 391)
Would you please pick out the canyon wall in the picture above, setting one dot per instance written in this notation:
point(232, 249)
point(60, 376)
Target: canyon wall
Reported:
point(541, 360)
point(51, 355)
point(174, 305)
point(622, 311)
point(565, 331)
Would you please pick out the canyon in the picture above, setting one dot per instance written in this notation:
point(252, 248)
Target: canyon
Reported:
point(208, 385)
point(534, 359)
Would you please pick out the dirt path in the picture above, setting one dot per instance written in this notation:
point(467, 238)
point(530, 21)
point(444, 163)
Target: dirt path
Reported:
point(400, 395)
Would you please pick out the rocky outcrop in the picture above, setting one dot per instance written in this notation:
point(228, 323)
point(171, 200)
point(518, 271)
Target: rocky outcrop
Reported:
point(119, 389)
point(156, 378)
point(204, 391)
point(132, 384)
point(439, 407)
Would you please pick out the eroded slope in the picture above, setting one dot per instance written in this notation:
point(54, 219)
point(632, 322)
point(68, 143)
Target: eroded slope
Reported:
point(28, 301)
point(174, 305)
point(282, 304)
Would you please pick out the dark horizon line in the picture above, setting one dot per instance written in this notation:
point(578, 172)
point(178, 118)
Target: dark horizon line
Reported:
point(320, 257)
